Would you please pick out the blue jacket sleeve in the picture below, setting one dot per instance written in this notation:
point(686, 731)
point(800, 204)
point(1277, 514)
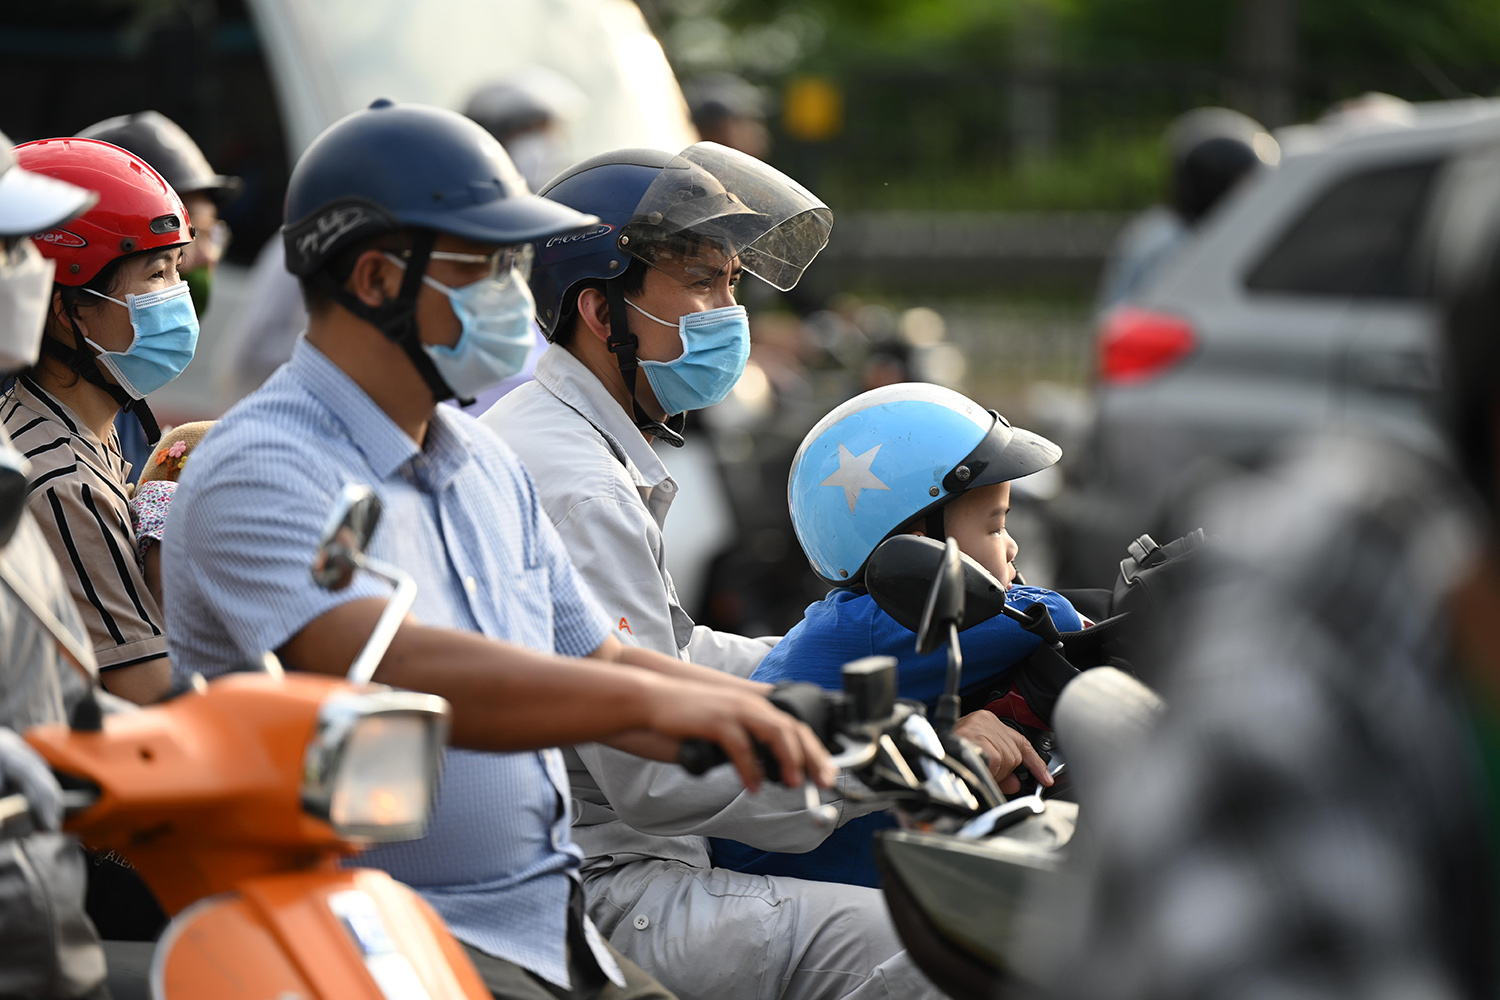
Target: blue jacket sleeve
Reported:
point(846, 626)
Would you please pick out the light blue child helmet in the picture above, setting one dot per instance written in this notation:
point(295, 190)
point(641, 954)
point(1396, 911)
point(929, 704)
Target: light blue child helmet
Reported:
point(892, 455)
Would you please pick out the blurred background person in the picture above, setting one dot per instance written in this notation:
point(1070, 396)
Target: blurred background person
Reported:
point(172, 153)
point(1210, 151)
point(729, 110)
point(530, 113)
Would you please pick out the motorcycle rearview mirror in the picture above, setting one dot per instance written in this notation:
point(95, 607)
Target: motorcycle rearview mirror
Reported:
point(346, 534)
point(901, 574)
point(341, 552)
point(13, 469)
point(944, 611)
point(905, 566)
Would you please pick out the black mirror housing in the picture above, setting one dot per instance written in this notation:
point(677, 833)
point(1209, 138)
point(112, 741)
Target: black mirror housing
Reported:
point(346, 533)
point(13, 468)
point(901, 574)
point(945, 601)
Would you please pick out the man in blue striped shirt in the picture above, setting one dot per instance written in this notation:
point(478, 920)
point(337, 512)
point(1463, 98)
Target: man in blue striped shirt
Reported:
point(404, 228)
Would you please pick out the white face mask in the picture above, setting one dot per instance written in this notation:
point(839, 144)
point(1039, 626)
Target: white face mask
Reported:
point(496, 316)
point(25, 293)
point(538, 156)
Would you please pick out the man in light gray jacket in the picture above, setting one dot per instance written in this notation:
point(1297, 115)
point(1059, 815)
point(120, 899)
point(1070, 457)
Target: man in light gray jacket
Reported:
point(641, 314)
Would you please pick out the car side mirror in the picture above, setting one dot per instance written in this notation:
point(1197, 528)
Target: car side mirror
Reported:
point(346, 534)
point(903, 573)
point(13, 469)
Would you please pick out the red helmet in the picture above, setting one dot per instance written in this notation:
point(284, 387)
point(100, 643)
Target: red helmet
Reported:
point(137, 209)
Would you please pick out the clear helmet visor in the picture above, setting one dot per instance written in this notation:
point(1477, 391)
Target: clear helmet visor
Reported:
point(712, 204)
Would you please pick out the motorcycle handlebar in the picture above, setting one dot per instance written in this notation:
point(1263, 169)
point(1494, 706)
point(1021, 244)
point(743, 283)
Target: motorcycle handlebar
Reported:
point(700, 756)
point(805, 702)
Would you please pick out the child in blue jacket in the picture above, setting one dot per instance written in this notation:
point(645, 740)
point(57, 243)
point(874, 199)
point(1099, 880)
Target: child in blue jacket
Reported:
point(920, 459)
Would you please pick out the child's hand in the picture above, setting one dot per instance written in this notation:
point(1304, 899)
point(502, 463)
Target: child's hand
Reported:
point(1004, 748)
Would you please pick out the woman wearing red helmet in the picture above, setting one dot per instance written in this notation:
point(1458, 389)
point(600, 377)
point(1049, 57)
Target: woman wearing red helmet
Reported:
point(121, 325)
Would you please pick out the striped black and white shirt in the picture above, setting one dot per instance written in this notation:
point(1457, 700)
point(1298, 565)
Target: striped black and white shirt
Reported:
point(79, 493)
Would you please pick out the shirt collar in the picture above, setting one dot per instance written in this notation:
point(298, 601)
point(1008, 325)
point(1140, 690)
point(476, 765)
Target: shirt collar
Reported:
point(571, 381)
point(384, 445)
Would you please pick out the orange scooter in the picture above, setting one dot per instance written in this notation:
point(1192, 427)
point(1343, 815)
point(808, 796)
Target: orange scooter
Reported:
point(237, 799)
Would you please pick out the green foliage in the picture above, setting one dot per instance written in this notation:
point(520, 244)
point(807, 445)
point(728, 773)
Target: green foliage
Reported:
point(1104, 173)
point(1116, 32)
point(1456, 33)
point(1112, 32)
point(932, 117)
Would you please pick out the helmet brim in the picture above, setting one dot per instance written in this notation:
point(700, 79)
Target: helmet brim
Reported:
point(1025, 453)
point(31, 202)
point(711, 196)
point(519, 219)
point(221, 188)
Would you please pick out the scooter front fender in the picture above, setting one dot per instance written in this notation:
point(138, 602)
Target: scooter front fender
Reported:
point(352, 933)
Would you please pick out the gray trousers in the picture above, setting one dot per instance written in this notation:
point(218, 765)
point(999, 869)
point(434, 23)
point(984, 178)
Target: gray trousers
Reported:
point(508, 981)
point(714, 934)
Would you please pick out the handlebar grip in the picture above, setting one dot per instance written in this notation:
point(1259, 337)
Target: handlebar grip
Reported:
point(699, 756)
point(809, 703)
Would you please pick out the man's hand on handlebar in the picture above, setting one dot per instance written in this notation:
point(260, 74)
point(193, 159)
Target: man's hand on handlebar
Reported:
point(1004, 748)
point(734, 720)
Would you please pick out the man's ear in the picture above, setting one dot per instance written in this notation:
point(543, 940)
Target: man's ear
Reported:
point(374, 280)
point(593, 313)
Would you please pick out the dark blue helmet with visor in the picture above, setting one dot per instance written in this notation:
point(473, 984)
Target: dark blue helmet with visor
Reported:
point(689, 216)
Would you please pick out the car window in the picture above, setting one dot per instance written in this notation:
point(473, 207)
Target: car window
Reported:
point(1356, 240)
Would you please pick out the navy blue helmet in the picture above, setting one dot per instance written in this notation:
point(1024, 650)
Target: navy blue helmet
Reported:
point(610, 185)
point(395, 166)
point(407, 166)
point(682, 214)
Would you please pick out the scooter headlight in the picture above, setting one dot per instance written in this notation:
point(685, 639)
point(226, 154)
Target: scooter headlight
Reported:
point(373, 765)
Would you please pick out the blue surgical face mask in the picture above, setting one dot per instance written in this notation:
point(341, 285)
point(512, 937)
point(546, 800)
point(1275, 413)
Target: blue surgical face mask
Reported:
point(496, 314)
point(166, 334)
point(715, 347)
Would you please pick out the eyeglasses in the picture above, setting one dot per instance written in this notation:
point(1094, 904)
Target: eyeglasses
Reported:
point(499, 263)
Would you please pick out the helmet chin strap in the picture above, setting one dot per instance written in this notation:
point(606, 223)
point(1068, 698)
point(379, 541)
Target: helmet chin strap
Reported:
point(397, 319)
point(86, 366)
point(622, 344)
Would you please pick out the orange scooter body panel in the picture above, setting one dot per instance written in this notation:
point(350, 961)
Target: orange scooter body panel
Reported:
point(203, 792)
point(354, 933)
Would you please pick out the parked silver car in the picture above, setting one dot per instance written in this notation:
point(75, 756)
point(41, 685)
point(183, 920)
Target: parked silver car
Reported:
point(1300, 302)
